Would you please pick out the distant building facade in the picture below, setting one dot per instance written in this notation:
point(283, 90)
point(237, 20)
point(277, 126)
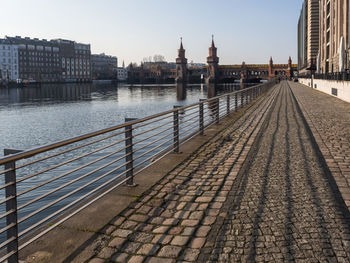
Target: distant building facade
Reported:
point(308, 36)
point(122, 73)
point(8, 61)
point(334, 36)
point(38, 59)
point(104, 66)
point(52, 61)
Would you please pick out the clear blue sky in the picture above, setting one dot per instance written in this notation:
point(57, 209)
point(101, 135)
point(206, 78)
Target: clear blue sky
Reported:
point(249, 30)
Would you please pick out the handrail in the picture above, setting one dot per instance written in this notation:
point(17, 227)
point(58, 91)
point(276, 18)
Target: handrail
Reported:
point(108, 160)
point(48, 147)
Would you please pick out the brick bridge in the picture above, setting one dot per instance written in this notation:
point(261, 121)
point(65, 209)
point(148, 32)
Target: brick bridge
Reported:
point(213, 72)
point(269, 183)
point(229, 73)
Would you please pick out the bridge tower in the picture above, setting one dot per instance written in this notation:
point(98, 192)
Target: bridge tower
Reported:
point(213, 63)
point(244, 73)
point(181, 66)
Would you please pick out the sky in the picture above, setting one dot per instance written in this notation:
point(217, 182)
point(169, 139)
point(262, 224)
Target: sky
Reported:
point(244, 30)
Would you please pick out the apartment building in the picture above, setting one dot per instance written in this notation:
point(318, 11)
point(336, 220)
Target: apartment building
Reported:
point(308, 36)
point(334, 36)
point(8, 61)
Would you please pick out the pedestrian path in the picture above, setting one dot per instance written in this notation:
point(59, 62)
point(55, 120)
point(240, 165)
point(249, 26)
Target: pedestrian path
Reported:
point(329, 120)
point(257, 192)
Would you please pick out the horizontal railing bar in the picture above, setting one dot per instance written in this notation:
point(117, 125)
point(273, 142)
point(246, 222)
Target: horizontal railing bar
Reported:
point(70, 182)
point(189, 124)
point(68, 150)
point(75, 201)
point(7, 170)
point(6, 242)
point(150, 143)
point(190, 114)
point(184, 131)
point(71, 171)
point(152, 129)
point(145, 139)
point(71, 160)
point(31, 152)
point(8, 212)
point(75, 211)
point(169, 151)
point(141, 155)
point(7, 228)
point(151, 121)
point(187, 120)
point(62, 198)
point(3, 259)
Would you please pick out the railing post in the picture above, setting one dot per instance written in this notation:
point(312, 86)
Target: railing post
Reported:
point(11, 205)
point(129, 153)
point(217, 117)
point(201, 116)
point(176, 130)
point(236, 101)
point(242, 98)
point(228, 104)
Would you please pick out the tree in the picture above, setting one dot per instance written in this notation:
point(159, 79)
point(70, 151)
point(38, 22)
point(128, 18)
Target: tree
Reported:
point(158, 58)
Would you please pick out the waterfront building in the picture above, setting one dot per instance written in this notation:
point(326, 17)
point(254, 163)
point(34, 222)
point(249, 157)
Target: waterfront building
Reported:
point(104, 66)
point(38, 60)
point(122, 73)
point(308, 36)
point(75, 60)
point(8, 60)
point(52, 61)
point(334, 36)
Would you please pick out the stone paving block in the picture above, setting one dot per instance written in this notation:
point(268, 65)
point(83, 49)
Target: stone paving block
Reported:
point(180, 240)
point(148, 249)
point(169, 251)
point(136, 259)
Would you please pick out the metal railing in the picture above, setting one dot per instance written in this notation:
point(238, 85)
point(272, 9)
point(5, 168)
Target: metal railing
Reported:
point(329, 76)
point(44, 183)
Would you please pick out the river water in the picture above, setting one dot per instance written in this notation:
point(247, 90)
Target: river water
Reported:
point(39, 115)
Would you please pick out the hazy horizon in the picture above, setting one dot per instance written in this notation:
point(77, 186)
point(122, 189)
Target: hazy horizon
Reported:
point(249, 31)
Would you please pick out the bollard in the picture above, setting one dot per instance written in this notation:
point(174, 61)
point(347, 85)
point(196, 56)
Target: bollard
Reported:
point(129, 153)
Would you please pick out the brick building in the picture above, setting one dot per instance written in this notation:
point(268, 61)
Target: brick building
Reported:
point(38, 59)
point(51, 61)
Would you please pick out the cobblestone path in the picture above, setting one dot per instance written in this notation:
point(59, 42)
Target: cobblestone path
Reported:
point(257, 192)
point(329, 120)
point(171, 221)
point(284, 209)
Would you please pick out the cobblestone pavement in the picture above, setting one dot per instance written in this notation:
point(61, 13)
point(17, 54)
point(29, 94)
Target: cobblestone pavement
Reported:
point(171, 221)
point(274, 203)
point(284, 209)
point(329, 120)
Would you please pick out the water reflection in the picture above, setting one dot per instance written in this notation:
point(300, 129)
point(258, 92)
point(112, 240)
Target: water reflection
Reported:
point(213, 105)
point(181, 91)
